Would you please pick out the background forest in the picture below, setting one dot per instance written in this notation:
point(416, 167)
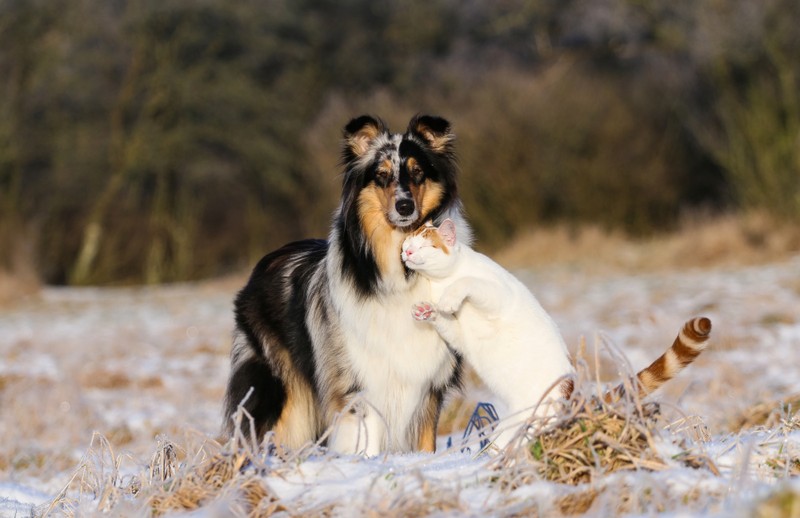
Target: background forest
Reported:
point(159, 141)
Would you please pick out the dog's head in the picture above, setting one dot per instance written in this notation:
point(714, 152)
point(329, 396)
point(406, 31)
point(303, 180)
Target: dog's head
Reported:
point(393, 183)
point(402, 179)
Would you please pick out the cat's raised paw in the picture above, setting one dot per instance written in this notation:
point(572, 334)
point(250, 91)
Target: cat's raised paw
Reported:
point(423, 311)
point(449, 305)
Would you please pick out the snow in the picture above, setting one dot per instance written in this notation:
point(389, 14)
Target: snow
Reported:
point(18, 500)
point(136, 364)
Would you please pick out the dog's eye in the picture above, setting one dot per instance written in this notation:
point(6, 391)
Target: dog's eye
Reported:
point(383, 172)
point(382, 177)
point(416, 173)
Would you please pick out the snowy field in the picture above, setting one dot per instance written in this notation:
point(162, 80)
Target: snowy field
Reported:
point(95, 382)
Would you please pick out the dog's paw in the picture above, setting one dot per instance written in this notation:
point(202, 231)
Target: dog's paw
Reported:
point(423, 311)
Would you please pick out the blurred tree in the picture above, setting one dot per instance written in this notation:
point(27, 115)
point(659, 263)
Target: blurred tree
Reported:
point(152, 142)
point(201, 139)
point(24, 29)
point(751, 121)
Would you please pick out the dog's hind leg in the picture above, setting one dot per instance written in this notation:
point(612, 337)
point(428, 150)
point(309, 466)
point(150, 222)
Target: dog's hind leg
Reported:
point(298, 423)
point(254, 388)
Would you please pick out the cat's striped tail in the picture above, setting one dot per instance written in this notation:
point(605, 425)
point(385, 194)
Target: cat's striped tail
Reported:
point(691, 341)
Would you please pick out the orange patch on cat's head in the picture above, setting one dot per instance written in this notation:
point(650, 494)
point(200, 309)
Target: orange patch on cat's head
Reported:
point(430, 233)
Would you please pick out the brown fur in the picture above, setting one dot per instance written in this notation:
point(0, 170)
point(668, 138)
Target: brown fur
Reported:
point(291, 344)
point(434, 237)
point(373, 204)
point(688, 345)
point(297, 417)
point(566, 387)
point(428, 423)
point(439, 142)
point(360, 141)
point(428, 195)
point(427, 438)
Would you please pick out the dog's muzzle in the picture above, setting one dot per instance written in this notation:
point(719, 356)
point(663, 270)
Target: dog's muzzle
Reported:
point(404, 213)
point(404, 207)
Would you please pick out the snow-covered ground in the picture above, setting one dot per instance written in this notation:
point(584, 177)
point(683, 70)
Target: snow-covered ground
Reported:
point(141, 364)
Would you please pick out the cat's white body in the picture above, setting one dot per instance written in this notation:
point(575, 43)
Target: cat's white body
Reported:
point(485, 313)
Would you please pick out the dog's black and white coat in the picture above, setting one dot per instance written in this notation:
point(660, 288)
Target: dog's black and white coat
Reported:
point(323, 324)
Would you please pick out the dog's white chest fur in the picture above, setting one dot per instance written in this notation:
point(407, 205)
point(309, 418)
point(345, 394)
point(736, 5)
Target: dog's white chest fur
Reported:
point(392, 357)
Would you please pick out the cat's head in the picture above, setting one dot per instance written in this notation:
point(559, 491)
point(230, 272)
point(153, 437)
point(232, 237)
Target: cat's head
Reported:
point(431, 250)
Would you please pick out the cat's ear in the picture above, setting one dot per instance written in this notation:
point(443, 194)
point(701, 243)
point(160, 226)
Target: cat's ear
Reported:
point(448, 232)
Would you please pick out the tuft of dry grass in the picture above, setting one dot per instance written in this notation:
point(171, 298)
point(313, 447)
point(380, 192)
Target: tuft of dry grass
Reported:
point(223, 473)
point(599, 432)
point(699, 242)
point(173, 481)
point(767, 414)
point(588, 451)
point(102, 378)
point(592, 439)
point(18, 277)
point(782, 503)
point(17, 285)
point(596, 439)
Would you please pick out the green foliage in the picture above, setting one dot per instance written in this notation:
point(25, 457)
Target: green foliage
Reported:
point(755, 129)
point(153, 142)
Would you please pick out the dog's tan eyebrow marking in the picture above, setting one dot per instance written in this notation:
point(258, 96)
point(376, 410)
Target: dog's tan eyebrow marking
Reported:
point(385, 166)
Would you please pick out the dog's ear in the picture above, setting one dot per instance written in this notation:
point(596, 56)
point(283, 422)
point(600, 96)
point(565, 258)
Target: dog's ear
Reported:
point(359, 133)
point(434, 131)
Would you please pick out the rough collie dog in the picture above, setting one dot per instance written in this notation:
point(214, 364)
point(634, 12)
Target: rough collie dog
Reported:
point(323, 337)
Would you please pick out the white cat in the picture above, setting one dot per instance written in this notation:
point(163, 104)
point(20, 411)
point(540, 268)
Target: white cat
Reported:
point(494, 321)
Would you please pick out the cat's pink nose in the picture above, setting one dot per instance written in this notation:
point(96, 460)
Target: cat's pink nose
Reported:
point(408, 253)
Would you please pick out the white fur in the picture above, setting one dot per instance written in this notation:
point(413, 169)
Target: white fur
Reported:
point(489, 316)
point(394, 358)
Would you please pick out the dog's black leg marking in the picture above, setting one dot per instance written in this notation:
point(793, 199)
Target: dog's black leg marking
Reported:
point(266, 400)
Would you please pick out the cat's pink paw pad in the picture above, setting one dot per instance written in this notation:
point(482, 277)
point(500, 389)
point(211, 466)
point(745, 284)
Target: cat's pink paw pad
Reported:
point(423, 311)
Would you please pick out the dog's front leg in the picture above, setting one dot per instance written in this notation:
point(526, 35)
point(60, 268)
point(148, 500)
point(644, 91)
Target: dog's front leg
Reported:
point(358, 430)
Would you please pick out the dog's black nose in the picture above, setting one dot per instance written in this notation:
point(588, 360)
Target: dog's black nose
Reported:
point(404, 207)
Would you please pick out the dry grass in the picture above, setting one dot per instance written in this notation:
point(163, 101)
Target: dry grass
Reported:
point(592, 449)
point(700, 242)
point(597, 434)
point(767, 414)
point(173, 481)
point(782, 503)
point(599, 458)
point(18, 277)
point(223, 473)
point(594, 439)
point(17, 285)
point(586, 451)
